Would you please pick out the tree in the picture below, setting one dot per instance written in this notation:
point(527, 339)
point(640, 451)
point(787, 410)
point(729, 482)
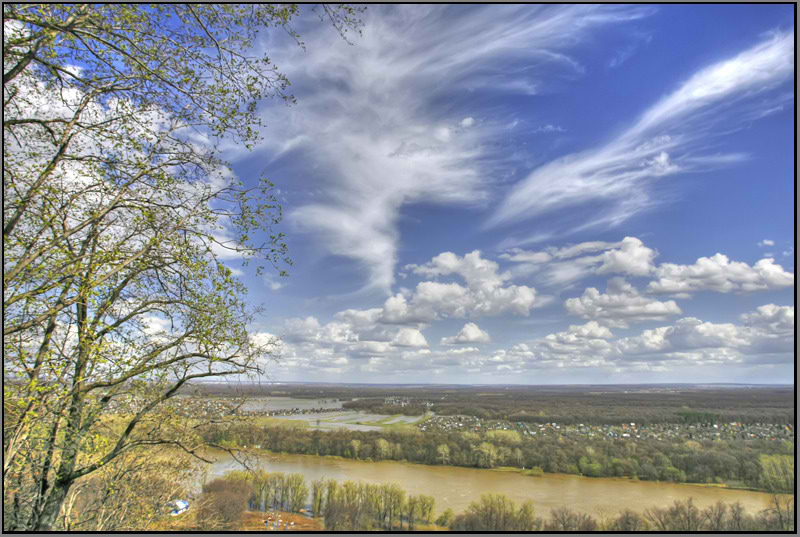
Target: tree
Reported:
point(412, 512)
point(128, 494)
point(118, 216)
point(629, 520)
point(777, 473)
point(443, 453)
point(427, 503)
point(446, 519)
point(223, 503)
point(486, 454)
point(298, 492)
point(383, 448)
point(355, 444)
point(317, 496)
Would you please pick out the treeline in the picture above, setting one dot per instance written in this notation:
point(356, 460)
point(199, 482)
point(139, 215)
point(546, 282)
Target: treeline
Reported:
point(357, 506)
point(574, 409)
point(705, 461)
point(595, 405)
point(498, 513)
point(346, 506)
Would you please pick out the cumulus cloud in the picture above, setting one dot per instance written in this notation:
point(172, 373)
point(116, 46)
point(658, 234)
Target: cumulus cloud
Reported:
point(687, 333)
point(670, 137)
point(559, 266)
point(620, 304)
point(720, 274)
point(488, 291)
point(409, 337)
point(771, 318)
point(369, 114)
point(470, 333)
point(768, 330)
point(766, 242)
point(764, 336)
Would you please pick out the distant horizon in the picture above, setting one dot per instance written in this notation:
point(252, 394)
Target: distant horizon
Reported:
point(278, 382)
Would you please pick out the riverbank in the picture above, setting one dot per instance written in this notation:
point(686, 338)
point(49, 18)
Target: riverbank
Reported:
point(529, 473)
point(502, 469)
point(457, 487)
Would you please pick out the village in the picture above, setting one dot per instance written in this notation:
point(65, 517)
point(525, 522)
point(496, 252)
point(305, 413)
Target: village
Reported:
point(216, 407)
point(633, 431)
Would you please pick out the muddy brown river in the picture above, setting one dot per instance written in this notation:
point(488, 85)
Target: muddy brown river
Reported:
point(456, 487)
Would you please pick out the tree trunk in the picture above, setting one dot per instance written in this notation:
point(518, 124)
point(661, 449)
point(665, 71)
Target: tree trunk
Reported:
point(52, 507)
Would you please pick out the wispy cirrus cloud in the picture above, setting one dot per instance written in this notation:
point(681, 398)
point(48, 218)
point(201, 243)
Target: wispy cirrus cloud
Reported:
point(672, 136)
point(371, 124)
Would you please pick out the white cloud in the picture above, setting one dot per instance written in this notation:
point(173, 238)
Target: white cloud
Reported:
point(771, 328)
point(591, 330)
point(621, 56)
point(470, 333)
point(670, 137)
point(368, 117)
point(687, 333)
point(767, 331)
point(718, 273)
point(765, 336)
point(557, 266)
point(463, 350)
point(620, 305)
point(486, 293)
point(410, 337)
point(775, 319)
point(766, 242)
point(271, 282)
point(632, 257)
point(549, 128)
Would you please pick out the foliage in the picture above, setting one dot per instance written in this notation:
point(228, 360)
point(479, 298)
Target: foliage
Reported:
point(223, 503)
point(495, 512)
point(118, 216)
point(705, 461)
point(777, 473)
point(446, 519)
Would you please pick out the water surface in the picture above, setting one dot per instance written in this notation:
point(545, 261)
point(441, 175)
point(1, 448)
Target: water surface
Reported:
point(456, 487)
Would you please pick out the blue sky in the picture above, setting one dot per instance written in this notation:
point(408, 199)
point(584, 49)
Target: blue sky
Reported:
point(534, 194)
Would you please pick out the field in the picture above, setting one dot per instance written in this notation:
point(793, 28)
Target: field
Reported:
point(321, 413)
point(354, 421)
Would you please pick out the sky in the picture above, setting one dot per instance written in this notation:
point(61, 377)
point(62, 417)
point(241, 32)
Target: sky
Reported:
point(533, 195)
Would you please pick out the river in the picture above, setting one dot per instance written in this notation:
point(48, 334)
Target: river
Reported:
point(456, 487)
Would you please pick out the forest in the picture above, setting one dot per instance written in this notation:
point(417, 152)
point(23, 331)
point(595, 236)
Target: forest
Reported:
point(590, 404)
point(754, 464)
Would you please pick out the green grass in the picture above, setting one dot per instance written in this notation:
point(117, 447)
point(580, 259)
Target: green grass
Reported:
point(399, 426)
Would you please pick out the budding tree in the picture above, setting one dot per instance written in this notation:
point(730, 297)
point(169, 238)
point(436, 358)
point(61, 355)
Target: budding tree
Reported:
point(118, 216)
